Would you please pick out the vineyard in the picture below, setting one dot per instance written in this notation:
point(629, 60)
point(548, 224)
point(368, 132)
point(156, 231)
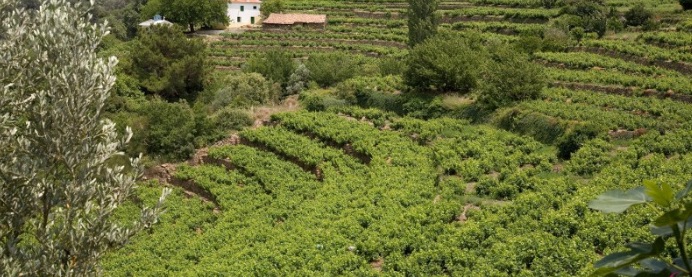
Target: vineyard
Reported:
point(366, 190)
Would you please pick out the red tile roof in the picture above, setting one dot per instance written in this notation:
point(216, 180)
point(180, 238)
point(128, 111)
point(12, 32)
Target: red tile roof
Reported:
point(293, 18)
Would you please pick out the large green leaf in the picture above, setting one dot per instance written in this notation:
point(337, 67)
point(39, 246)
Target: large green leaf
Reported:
point(667, 230)
point(617, 201)
point(681, 194)
point(661, 194)
point(654, 265)
point(621, 260)
point(669, 218)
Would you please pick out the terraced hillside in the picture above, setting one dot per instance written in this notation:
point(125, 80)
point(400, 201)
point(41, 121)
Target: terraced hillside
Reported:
point(364, 191)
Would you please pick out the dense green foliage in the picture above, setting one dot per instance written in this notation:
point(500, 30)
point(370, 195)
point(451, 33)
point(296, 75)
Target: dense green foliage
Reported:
point(273, 65)
point(173, 130)
point(590, 15)
point(244, 90)
point(189, 13)
point(445, 63)
point(422, 20)
point(638, 15)
point(385, 176)
point(651, 257)
point(272, 6)
point(168, 64)
point(509, 77)
point(328, 69)
point(62, 175)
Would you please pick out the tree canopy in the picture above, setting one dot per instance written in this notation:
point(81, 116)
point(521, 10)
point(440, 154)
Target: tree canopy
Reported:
point(168, 64)
point(62, 174)
point(422, 21)
point(189, 12)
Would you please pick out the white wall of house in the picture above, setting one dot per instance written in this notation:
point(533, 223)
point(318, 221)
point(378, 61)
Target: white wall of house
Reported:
point(243, 12)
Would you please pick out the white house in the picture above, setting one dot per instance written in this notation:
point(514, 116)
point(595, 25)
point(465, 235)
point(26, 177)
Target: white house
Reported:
point(244, 12)
point(157, 20)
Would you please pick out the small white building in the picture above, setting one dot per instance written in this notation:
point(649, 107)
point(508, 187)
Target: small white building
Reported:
point(157, 20)
point(243, 12)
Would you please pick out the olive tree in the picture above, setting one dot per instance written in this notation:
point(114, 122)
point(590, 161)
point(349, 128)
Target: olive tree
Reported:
point(61, 172)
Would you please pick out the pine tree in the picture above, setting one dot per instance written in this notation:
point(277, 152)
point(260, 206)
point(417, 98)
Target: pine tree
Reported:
point(61, 172)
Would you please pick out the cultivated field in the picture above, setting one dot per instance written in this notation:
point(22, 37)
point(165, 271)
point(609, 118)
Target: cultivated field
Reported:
point(364, 191)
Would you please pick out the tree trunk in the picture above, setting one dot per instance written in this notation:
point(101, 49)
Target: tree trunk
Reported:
point(192, 27)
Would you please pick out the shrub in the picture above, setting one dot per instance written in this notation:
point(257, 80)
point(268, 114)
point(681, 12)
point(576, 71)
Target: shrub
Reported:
point(244, 90)
point(445, 63)
point(298, 80)
point(320, 100)
point(173, 130)
point(577, 33)
point(555, 39)
point(509, 77)
point(591, 158)
point(359, 90)
point(529, 44)
point(232, 119)
point(391, 66)
point(615, 24)
point(638, 15)
point(588, 14)
point(574, 138)
point(685, 26)
point(276, 66)
point(328, 69)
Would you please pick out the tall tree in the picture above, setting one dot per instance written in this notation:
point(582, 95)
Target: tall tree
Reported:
point(189, 12)
point(422, 21)
point(61, 173)
point(168, 64)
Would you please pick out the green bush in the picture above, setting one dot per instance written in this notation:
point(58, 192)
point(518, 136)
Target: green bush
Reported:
point(170, 130)
point(245, 90)
point(232, 119)
point(555, 40)
point(359, 90)
point(328, 69)
point(615, 24)
point(590, 159)
point(298, 81)
point(588, 14)
point(445, 63)
point(529, 44)
point(574, 138)
point(276, 66)
point(168, 64)
point(509, 77)
point(686, 26)
point(320, 100)
point(391, 66)
point(638, 15)
point(577, 33)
